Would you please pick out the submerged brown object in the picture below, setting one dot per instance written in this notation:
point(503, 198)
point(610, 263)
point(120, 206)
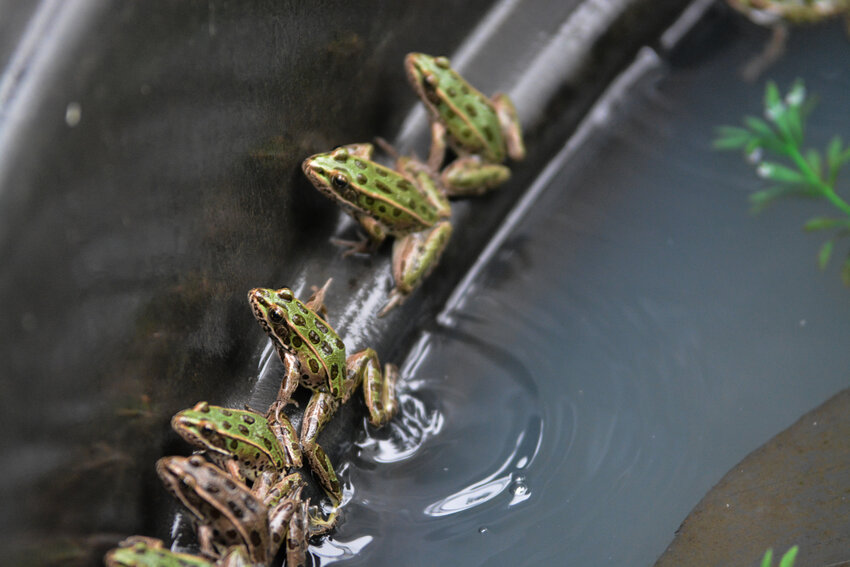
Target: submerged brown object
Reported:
point(795, 489)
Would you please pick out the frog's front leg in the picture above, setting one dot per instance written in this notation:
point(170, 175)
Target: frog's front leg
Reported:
point(378, 388)
point(437, 153)
point(375, 235)
point(414, 257)
point(468, 176)
point(509, 125)
point(291, 378)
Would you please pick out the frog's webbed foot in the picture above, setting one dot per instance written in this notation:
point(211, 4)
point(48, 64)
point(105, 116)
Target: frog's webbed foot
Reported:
point(414, 257)
point(351, 247)
point(470, 176)
point(375, 234)
point(378, 388)
point(319, 525)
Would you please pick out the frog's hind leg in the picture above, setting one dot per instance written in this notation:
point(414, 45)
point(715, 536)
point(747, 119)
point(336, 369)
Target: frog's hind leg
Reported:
point(319, 411)
point(316, 303)
point(773, 50)
point(470, 176)
point(509, 123)
point(378, 388)
point(414, 257)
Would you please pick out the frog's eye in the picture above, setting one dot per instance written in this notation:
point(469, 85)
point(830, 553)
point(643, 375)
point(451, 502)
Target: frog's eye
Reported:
point(442, 62)
point(207, 430)
point(339, 181)
point(276, 315)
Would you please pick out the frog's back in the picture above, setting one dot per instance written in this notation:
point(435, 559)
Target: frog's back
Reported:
point(369, 188)
point(466, 113)
point(245, 434)
point(317, 344)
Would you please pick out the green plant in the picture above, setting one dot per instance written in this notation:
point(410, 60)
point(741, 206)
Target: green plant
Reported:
point(786, 561)
point(800, 172)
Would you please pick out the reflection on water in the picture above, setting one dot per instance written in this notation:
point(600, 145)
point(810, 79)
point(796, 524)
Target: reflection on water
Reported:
point(490, 487)
point(405, 434)
point(635, 334)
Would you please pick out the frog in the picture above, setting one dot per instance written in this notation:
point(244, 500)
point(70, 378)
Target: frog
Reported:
point(407, 202)
point(482, 131)
point(248, 445)
point(778, 15)
point(315, 357)
point(141, 551)
point(229, 514)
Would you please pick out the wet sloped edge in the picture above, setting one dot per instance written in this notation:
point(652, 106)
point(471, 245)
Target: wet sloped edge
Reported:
point(794, 489)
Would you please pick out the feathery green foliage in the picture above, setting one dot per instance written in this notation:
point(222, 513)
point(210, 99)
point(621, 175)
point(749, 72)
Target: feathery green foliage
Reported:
point(799, 172)
point(786, 561)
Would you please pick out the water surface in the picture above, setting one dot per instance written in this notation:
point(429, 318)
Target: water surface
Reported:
point(630, 338)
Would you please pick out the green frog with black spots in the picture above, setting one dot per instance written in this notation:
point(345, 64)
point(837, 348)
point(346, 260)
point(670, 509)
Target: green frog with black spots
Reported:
point(482, 131)
point(228, 513)
point(315, 357)
point(406, 202)
point(246, 444)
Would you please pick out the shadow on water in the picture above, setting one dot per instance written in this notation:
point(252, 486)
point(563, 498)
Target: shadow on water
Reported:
point(626, 340)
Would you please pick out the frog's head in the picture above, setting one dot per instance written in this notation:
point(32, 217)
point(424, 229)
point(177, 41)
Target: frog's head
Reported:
point(425, 74)
point(330, 174)
point(180, 477)
point(201, 426)
point(280, 313)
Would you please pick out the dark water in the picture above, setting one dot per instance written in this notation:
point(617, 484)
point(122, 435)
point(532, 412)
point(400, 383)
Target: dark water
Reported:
point(629, 338)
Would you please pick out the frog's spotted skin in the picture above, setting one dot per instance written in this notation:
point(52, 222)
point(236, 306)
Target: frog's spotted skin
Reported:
point(315, 356)
point(228, 513)
point(364, 187)
point(148, 552)
point(245, 436)
point(468, 115)
point(400, 202)
point(298, 331)
point(482, 131)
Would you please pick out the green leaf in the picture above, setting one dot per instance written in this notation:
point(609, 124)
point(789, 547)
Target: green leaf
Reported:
point(825, 253)
point(814, 161)
point(760, 128)
point(731, 138)
point(789, 557)
point(824, 223)
point(767, 560)
point(779, 172)
point(795, 125)
point(772, 99)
